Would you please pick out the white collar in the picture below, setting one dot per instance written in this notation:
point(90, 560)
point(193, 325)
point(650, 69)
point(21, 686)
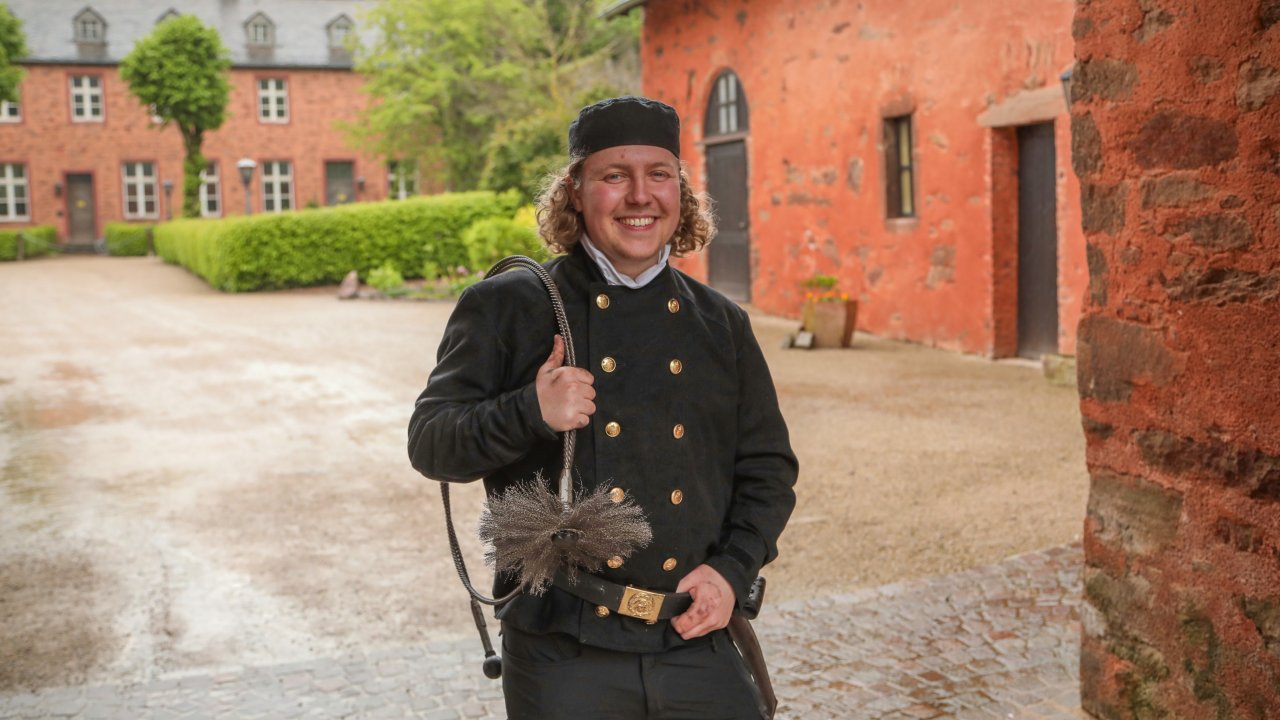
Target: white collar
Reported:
point(611, 274)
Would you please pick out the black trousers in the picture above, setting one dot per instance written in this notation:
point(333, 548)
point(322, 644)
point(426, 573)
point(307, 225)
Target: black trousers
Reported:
point(554, 677)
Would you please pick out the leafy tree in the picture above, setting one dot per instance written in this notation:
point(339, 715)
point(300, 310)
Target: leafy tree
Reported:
point(180, 72)
point(13, 46)
point(481, 90)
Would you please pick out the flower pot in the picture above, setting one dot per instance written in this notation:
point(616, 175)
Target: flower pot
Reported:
point(831, 322)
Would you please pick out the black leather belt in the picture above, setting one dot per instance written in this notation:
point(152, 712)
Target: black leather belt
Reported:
point(623, 599)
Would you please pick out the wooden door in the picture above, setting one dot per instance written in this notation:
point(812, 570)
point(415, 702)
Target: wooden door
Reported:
point(729, 255)
point(1037, 242)
point(81, 218)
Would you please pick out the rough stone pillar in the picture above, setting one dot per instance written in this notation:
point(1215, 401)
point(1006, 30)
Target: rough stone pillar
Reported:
point(1176, 141)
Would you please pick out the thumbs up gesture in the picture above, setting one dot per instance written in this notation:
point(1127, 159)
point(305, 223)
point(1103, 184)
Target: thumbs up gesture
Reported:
point(565, 394)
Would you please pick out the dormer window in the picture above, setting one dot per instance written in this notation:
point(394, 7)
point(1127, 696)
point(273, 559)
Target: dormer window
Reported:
point(340, 29)
point(260, 31)
point(90, 27)
point(169, 14)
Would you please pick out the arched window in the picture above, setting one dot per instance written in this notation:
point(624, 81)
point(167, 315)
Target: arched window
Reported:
point(90, 27)
point(727, 106)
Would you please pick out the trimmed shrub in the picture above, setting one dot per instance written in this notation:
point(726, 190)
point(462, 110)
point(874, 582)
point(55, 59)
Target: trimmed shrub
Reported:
point(387, 279)
point(40, 240)
point(126, 239)
point(297, 249)
point(492, 239)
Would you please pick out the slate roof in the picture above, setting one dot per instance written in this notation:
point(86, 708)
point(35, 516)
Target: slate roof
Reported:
point(301, 28)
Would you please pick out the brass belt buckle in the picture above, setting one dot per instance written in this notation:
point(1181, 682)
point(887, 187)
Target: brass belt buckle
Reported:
point(641, 604)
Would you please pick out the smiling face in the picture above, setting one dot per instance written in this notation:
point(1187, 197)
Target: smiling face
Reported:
point(629, 197)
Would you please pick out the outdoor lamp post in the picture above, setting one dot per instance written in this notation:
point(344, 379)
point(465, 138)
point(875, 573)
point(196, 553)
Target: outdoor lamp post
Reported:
point(168, 199)
point(246, 167)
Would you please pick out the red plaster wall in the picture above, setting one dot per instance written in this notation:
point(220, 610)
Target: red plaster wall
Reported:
point(816, 76)
point(1176, 128)
point(51, 145)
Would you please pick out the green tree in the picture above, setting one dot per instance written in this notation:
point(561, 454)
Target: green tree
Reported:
point(13, 46)
point(179, 71)
point(480, 90)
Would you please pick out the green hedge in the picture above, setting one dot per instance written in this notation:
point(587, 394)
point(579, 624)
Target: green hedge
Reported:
point(126, 239)
point(316, 247)
point(491, 239)
point(41, 240)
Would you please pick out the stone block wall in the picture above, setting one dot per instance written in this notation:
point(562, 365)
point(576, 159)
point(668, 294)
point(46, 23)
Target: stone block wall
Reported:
point(1176, 142)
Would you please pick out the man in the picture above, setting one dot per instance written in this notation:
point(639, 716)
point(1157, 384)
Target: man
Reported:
point(674, 408)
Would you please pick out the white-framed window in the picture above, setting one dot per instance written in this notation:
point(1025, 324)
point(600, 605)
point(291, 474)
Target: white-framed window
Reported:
point(13, 193)
point(154, 115)
point(90, 27)
point(10, 111)
point(140, 191)
point(339, 30)
point(210, 191)
point(402, 179)
point(273, 100)
point(86, 98)
point(277, 186)
point(260, 31)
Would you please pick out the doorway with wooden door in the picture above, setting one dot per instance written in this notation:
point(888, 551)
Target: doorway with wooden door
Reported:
point(82, 224)
point(726, 125)
point(1037, 242)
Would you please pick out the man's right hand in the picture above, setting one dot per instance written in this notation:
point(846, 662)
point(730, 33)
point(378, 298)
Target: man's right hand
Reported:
point(565, 394)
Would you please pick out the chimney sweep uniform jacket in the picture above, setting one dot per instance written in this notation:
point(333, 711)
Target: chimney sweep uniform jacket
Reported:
point(686, 423)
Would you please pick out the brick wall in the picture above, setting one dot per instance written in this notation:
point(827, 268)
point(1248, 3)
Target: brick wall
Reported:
point(1176, 141)
point(818, 76)
point(50, 145)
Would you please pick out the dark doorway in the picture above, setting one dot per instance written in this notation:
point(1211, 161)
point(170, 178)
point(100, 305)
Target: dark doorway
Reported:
point(339, 182)
point(729, 256)
point(1037, 242)
point(726, 126)
point(81, 221)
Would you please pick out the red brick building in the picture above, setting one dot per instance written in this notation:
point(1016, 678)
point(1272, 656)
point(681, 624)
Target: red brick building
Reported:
point(919, 151)
point(78, 150)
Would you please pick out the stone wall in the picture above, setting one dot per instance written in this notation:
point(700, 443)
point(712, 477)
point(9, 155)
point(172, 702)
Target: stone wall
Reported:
point(1176, 142)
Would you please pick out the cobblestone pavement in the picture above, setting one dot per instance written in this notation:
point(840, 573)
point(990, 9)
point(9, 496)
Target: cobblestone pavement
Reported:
point(999, 641)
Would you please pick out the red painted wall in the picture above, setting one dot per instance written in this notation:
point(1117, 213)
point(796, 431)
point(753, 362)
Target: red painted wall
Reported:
point(1176, 129)
point(51, 145)
point(817, 77)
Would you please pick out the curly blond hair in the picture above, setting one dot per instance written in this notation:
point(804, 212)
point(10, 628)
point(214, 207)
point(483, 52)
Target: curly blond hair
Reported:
point(560, 225)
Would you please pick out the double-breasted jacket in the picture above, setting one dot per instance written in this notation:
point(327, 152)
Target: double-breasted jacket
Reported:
point(686, 423)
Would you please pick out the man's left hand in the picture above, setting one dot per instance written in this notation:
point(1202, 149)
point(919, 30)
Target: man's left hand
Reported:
point(712, 603)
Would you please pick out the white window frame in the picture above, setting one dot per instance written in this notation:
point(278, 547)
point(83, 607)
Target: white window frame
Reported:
point(85, 92)
point(210, 191)
point(274, 174)
point(142, 180)
point(273, 100)
point(14, 189)
point(10, 112)
point(727, 103)
point(401, 185)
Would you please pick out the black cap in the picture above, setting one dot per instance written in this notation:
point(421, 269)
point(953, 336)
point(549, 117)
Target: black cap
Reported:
point(625, 120)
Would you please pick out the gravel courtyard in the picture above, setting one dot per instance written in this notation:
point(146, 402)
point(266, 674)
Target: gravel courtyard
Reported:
point(192, 481)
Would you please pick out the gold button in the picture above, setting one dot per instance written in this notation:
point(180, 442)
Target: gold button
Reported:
point(617, 495)
point(677, 432)
point(612, 429)
point(673, 305)
point(676, 366)
point(677, 497)
point(669, 565)
point(602, 301)
point(615, 562)
point(608, 364)
point(602, 611)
